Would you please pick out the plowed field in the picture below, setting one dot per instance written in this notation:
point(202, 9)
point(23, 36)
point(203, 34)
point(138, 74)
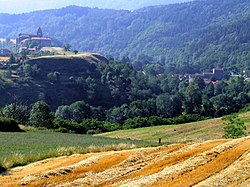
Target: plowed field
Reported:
point(211, 163)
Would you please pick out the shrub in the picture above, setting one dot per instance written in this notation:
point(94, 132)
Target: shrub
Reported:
point(139, 122)
point(136, 122)
point(62, 130)
point(93, 131)
point(111, 126)
point(156, 120)
point(93, 124)
point(187, 118)
point(70, 126)
point(9, 125)
point(234, 128)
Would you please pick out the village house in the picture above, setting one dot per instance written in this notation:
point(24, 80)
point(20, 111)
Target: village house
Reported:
point(36, 39)
point(215, 76)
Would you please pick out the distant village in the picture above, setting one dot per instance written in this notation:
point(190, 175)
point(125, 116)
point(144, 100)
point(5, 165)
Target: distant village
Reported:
point(215, 76)
point(35, 42)
point(24, 42)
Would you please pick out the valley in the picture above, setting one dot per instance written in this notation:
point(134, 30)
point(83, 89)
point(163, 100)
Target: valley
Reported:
point(155, 96)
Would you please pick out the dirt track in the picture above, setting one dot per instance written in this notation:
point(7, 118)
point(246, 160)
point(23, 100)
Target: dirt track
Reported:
point(212, 163)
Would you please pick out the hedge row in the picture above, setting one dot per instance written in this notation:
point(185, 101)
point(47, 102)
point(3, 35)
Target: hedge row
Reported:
point(139, 122)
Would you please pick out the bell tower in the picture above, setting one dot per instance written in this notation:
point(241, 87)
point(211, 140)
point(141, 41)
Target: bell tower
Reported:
point(39, 32)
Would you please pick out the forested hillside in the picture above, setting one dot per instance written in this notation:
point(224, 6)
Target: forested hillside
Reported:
point(127, 4)
point(210, 33)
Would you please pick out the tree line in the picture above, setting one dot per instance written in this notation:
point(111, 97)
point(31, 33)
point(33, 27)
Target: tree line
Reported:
point(140, 100)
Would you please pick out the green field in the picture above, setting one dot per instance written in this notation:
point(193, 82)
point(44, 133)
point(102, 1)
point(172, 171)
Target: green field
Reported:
point(196, 131)
point(26, 147)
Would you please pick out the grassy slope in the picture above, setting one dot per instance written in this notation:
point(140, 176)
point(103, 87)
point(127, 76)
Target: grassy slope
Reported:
point(197, 131)
point(22, 148)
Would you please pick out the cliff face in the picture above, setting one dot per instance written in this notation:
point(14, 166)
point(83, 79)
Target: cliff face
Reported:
point(212, 163)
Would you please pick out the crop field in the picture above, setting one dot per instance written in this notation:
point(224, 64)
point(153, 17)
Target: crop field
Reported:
point(4, 59)
point(206, 164)
point(26, 147)
point(190, 132)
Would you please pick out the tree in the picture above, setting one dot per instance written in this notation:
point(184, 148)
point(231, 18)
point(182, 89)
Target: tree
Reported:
point(76, 112)
point(18, 112)
point(193, 99)
point(200, 82)
point(80, 110)
point(40, 115)
point(67, 47)
point(209, 90)
point(24, 55)
point(12, 59)
point(63, 112)
point(118, 114)
point(32, 71)
point(75, 51)
point(54, 76)
point(164, 105)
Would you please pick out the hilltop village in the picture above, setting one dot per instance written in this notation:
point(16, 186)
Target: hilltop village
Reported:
point(24, 42)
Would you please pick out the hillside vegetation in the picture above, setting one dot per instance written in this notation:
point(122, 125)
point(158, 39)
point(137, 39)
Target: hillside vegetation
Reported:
point(197, 131)
point(89, 93)
point(206, 33)
point(212, 163)
point(57, 79)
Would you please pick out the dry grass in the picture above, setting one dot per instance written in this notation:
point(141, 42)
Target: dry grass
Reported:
point(190, 132)
point(211, 163)
point(4, 59)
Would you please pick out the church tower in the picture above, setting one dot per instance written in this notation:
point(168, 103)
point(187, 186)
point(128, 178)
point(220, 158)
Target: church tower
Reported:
point(39, 32)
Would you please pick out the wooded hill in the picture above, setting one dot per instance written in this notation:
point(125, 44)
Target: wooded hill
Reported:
point(209, 33)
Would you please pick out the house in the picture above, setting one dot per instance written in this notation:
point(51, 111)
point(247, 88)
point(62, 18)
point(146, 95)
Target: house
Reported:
point(217, 74)
point(37, 40)
point(208, 75)
point(246, 73)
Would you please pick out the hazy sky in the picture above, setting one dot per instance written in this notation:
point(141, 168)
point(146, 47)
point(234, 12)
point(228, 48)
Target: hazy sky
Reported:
point(20, 6)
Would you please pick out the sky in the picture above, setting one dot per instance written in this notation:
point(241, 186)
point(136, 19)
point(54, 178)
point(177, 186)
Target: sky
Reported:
point(22, 6)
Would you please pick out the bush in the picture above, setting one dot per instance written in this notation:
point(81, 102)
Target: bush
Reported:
point(62, 130)
point(93, 124)
point(139, 122)
point(156, 121)
point(9, 125)
point(111, 126)
point(234, 128)
point(94, 131)
point(69, 126)
point(187, 118)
